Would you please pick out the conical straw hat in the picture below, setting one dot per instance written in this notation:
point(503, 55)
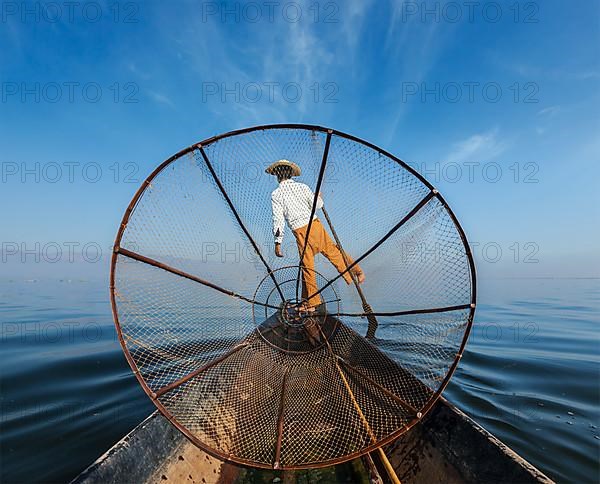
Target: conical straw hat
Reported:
point(274, 168)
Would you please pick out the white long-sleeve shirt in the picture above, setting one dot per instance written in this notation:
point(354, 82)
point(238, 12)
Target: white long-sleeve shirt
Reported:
point(292, 202)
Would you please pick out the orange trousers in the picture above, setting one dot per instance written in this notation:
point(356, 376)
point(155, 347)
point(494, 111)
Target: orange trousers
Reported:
point(319, 242)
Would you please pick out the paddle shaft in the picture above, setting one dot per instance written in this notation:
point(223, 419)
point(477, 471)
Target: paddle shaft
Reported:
point(366, 307)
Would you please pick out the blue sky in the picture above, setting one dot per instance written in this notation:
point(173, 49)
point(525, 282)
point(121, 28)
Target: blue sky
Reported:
point(374, 59)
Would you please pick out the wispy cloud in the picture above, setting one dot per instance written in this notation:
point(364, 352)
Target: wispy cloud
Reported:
point(549, 111)
point(414, 49)
point(478, 147)
point(280, 53)
point(394, 25)
point(527, 70)
point(354, 15)
point(545, 116)
point(585, 75)
point(134, 69)
point(160, 98)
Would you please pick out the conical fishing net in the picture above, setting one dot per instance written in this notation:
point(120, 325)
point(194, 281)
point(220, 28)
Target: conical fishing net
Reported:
point(218, 331)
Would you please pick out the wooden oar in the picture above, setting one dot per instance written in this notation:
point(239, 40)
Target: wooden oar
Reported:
point(373, 324)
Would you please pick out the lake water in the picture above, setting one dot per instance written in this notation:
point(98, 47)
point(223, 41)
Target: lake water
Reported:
point(530, 375)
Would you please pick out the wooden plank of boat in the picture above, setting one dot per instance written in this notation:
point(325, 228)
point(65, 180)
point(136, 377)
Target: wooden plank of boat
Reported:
point(447, 447)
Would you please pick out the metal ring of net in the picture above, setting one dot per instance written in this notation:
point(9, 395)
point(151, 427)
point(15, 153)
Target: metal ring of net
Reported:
point(208, 317)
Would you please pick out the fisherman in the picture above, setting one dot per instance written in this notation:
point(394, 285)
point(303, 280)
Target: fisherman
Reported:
point(292, 202)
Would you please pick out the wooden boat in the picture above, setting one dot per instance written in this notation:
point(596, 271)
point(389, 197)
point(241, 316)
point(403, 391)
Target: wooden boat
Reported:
point(297, 390)
point(447, 446)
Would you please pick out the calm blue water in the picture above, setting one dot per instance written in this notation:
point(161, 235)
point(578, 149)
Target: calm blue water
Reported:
point(530, 375)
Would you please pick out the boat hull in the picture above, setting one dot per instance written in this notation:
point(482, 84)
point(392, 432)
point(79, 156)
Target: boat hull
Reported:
point(447, 446)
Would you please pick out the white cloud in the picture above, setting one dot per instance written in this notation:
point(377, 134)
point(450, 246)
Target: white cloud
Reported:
point(160, 98)
point(354, 14)
point(133, 68)
point(414, 52)
point(478, 147)
point(584, 76)
point(549, 111)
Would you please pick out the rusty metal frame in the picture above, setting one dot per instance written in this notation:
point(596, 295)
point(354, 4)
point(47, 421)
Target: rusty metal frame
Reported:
point(367, 309)
point(236, 214)
point(314, 206)
point(185, 275)
point(117, 249)
point(389, 393)
point(409, 312)
point(391, 232)
point(177, 383)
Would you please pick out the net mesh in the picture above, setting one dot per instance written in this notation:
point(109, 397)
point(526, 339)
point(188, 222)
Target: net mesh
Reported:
point(219, 331)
